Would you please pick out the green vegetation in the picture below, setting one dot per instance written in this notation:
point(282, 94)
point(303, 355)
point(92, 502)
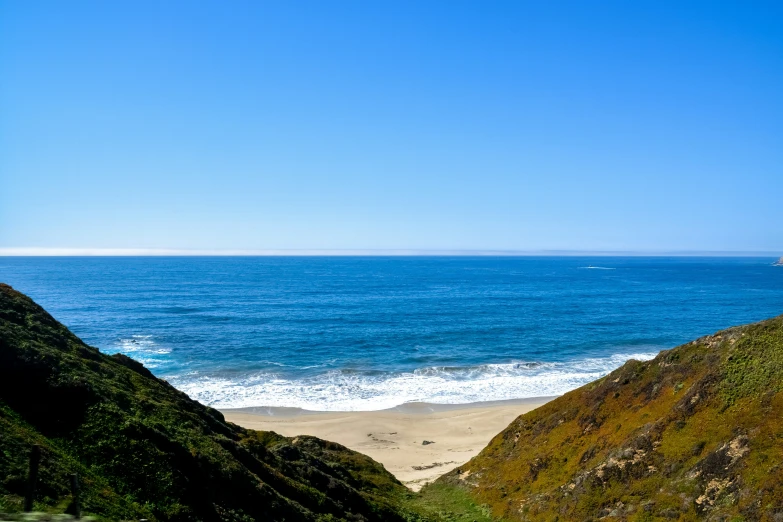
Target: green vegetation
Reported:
point(442, 503)
point(145, 450)
point(696, 433)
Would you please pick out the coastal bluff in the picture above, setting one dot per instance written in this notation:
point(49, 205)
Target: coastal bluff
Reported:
point(144, 450)
point(694, 434)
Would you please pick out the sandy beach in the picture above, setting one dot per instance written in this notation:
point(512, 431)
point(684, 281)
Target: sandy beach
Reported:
point(417, 442)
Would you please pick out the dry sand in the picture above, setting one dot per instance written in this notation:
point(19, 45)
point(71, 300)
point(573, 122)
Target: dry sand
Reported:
point(396, 437)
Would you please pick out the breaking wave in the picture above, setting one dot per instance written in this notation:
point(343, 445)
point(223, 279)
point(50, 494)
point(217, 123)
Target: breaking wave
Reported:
point(142, 348)
point(351, 390)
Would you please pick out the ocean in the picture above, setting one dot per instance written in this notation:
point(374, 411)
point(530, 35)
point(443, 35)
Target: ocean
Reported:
point(368, 333)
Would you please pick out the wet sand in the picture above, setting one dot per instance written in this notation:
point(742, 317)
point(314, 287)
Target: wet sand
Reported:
point(417, 442)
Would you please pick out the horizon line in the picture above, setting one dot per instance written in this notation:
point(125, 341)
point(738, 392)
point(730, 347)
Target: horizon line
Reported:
point(173, 252)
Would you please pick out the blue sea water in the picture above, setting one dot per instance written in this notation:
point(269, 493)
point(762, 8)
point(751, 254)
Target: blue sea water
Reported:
point(366, 333)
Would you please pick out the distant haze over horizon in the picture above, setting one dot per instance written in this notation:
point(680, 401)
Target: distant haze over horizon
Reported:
point(510, 128)
point(143, 252)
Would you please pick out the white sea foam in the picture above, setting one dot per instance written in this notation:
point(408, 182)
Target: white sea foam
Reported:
point(354, 391)
point(142, 348)
point(597, 268)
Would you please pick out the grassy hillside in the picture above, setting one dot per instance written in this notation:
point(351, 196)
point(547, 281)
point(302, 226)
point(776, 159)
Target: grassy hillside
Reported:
point(145, 450)
point(696, 433)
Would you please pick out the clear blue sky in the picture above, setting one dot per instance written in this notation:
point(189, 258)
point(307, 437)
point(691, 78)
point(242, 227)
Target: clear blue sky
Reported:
point(522, 125)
